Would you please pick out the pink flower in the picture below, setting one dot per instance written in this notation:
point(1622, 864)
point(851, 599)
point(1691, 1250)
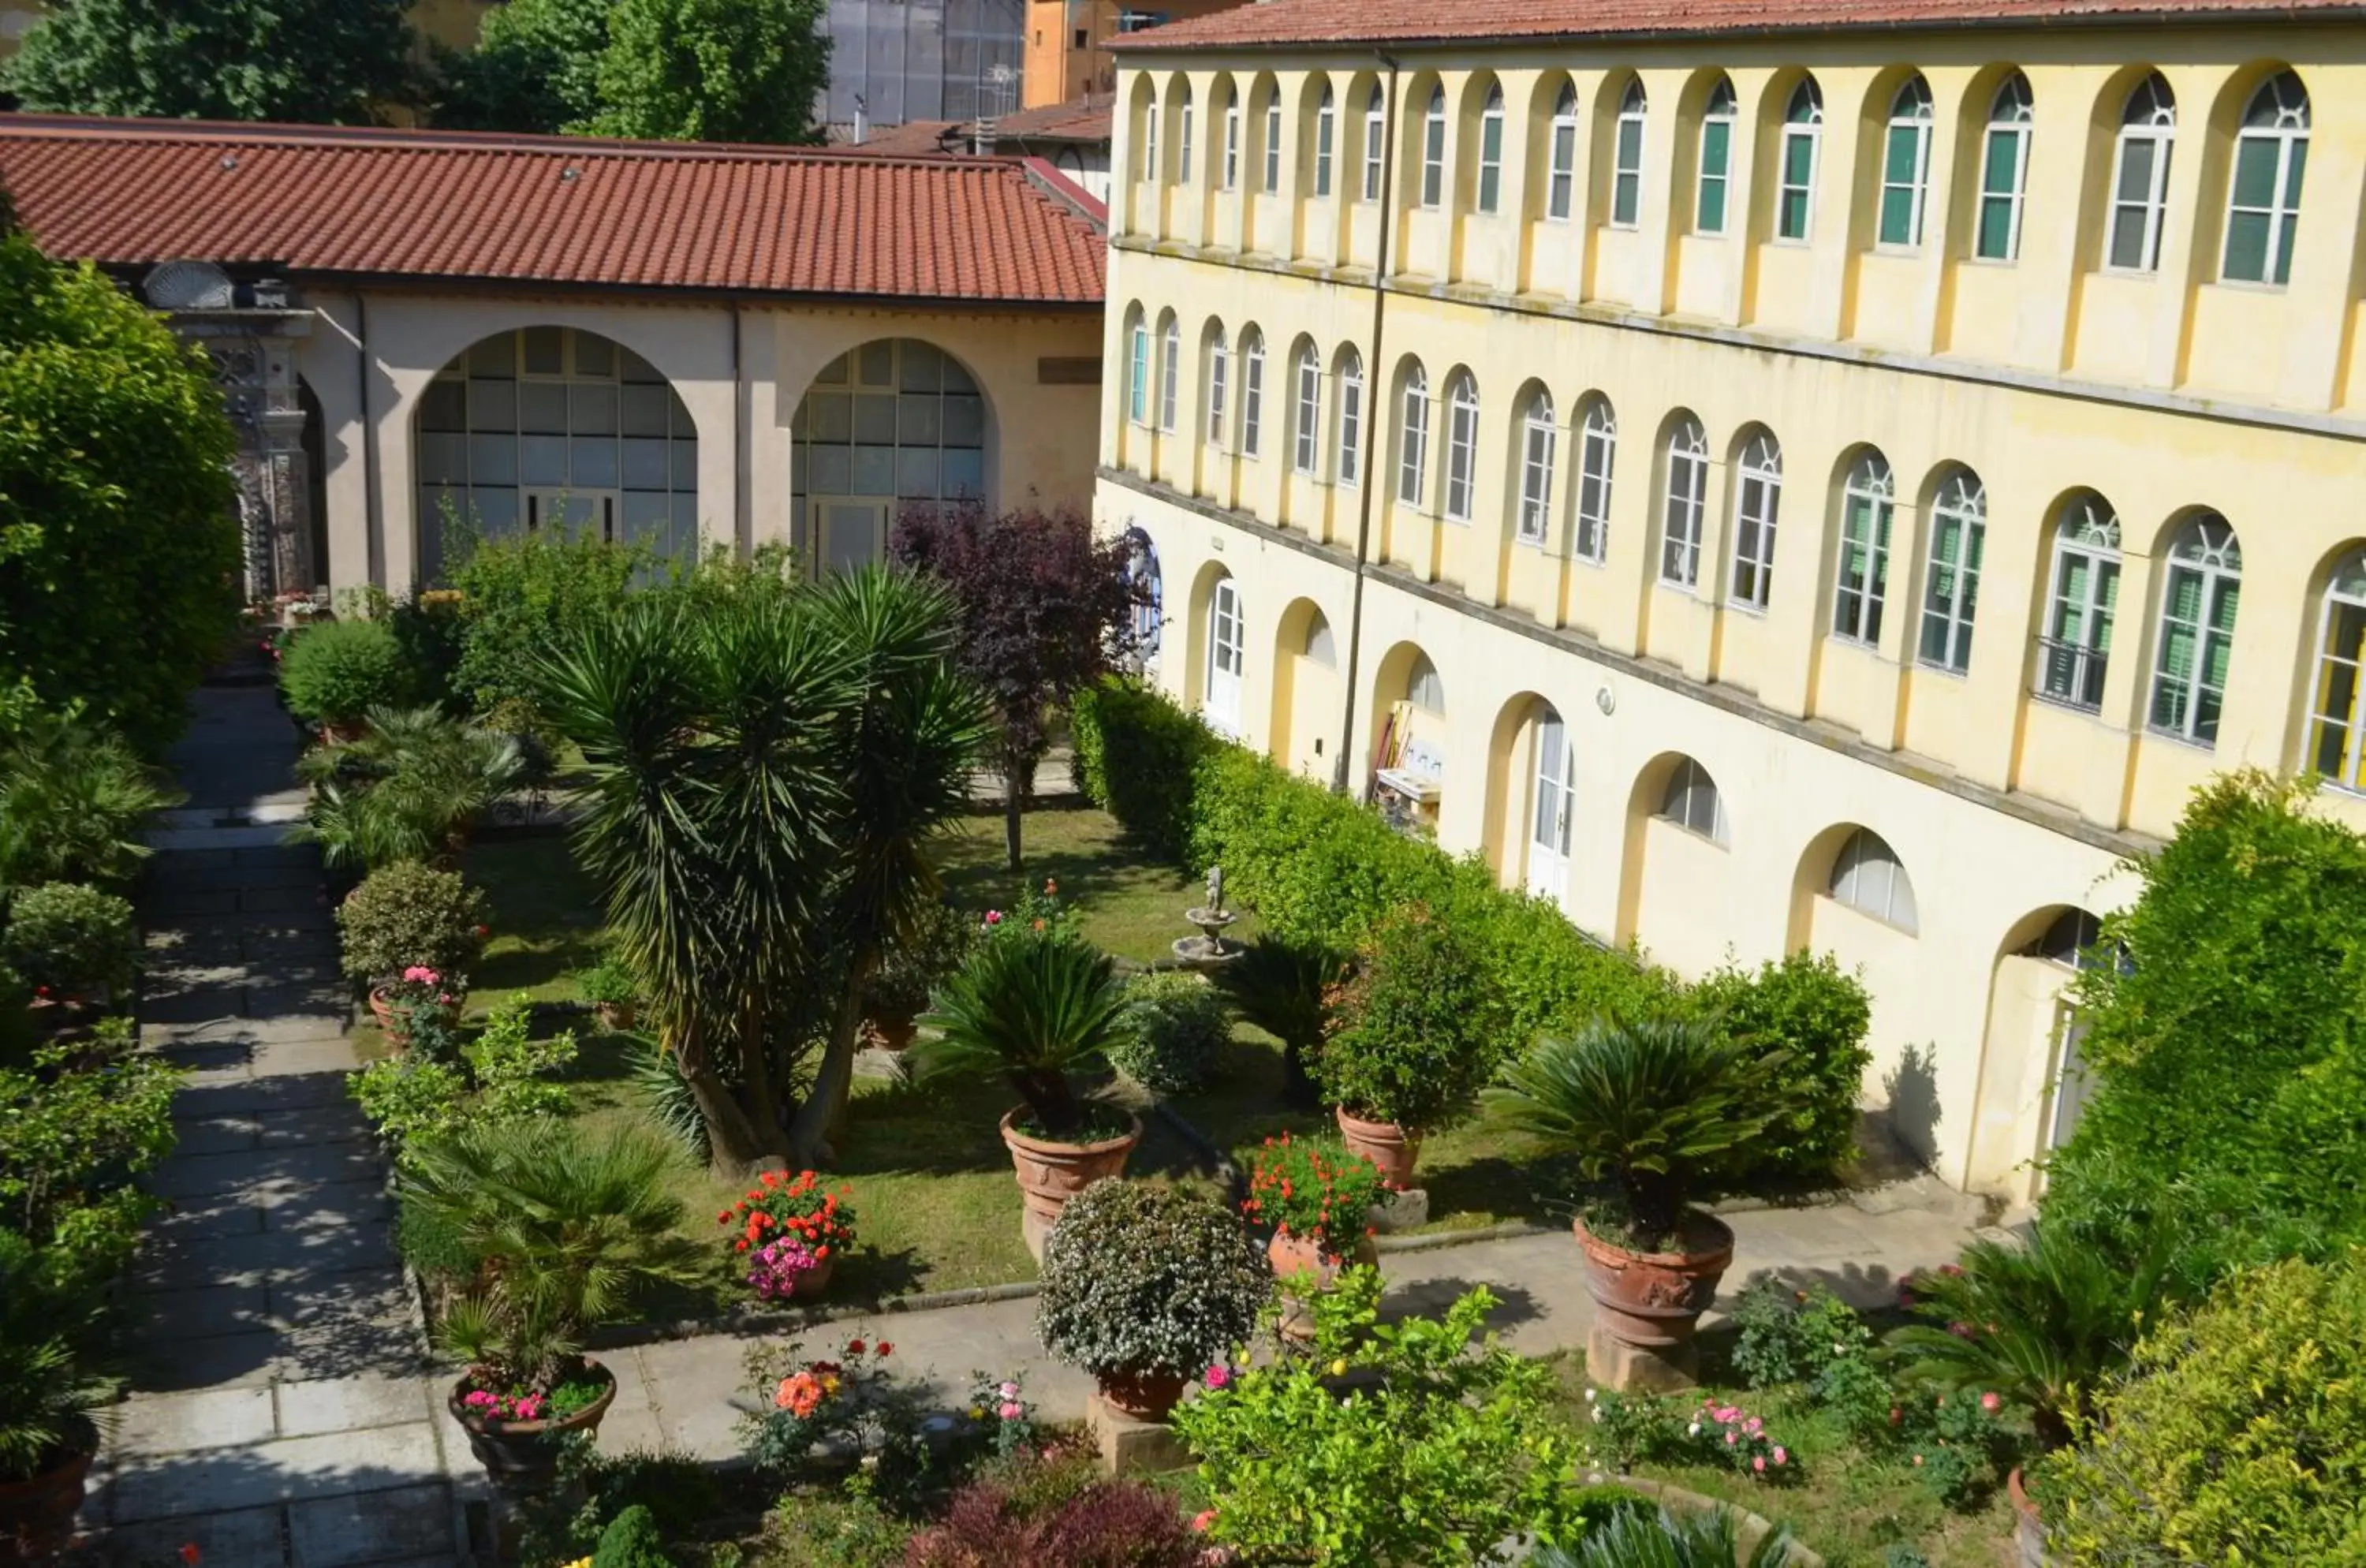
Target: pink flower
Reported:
point(420, 974)
point(1203, 1519)
point(1781, 1457)
point(1217, 1376)
point(1010, 1390)
point(1991, 1401)
point(1758, 1463)
point(1754, 1425)
point(994, 917)
point(1732, 1438)
point(1012, 1410)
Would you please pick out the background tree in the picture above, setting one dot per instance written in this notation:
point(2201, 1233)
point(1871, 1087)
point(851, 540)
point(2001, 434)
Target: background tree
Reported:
point(536, 69)
point(326, 61)
point(713, 71)
point(1045, 610)
point(119, 545)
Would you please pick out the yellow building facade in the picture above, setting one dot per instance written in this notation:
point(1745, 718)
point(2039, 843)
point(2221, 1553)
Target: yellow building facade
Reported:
point(1815, 488)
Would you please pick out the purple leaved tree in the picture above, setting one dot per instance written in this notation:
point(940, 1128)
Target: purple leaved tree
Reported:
point(1046, 611)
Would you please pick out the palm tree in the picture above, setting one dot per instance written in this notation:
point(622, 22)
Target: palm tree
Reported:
point(1284, 987)
point(1644, 1537)
point(74, 796)
point(410, 788)
point(1038, 1009)
point(1653, 1104)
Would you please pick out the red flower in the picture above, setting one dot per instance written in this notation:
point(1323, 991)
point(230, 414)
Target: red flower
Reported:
point(885, 1347)
point(190, 1554)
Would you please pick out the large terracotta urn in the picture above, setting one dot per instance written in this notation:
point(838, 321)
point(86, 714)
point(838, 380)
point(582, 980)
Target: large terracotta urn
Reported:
point(37, 1516)
point(1142, 1397)
point(1293, 1257)
point(1647, 1305)
point(1050, 1173)
point(1385, 1144)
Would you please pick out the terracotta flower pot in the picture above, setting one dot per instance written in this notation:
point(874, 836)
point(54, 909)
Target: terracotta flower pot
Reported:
point(1142, 1396)
point(1385, 1144)
point(1291, 1255)
point(523, 1456)
point(815, 1281)
point(37, 1516)
point(393, 1022)
point(890, 1034)
point(617, 1017)
point(2028, 1528)
point(1052, 1173)
point(1653, 1299)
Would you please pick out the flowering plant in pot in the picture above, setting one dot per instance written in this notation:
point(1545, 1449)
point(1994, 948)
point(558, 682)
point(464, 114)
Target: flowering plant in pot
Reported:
point(1318, 1197)
point(1144, 1287)
point(1411, 1034)
point(791, 1232)
point(549, 1230)
point(1040, 1009)
point(1650, 1108)
point(409, 916)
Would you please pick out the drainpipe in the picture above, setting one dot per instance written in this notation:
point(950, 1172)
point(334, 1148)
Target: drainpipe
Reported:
point(373, 513)
point(1375, 380)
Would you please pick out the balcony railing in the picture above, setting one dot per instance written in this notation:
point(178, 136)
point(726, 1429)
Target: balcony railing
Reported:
point(2071, 672)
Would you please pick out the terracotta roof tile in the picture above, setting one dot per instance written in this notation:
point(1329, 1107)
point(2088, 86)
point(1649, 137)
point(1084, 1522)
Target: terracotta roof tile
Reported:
point(1082, 120)
point(1410, 21)
point(440, 204)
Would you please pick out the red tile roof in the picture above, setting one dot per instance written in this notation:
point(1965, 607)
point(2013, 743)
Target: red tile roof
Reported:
point(1413, 21)
point(1084, 120)
point(345, 202)
point(913, 139)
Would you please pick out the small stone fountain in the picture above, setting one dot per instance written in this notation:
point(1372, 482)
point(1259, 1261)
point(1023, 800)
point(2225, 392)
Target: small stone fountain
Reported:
point(1210, 950)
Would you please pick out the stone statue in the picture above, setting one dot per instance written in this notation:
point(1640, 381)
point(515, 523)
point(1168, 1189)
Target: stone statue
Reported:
point(1215, 889)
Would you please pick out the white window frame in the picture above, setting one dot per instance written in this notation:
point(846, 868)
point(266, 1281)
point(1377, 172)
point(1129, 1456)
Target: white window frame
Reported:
point(2148, 121)
point(1151, 171)
point(1757, 512)
point(1252, 393)
point(2207, 554)
point(1719, 115)
point(1306, 436)
point(1692, 802)
point(1597, 454)
point(1170, 374)
point(1433, 151)
point(1868, 877)
point(1683, 516)
point(2344, 733)
point(1272, 139)
point(1907, 191)
point(1627, 160)
point(2011, 125)
point(1491, 151)
point(1461, 447)
point(2278, 125)
point(1803, 123)
point(1376, 129)
point(1227, 657)
point(1220, 377)
point(1951, 589)
point(2075, 649)
point(1561, 157)
point(1183, 139)
point(1539, 449)
point(1412, 450)
point(1857, 607)
point(1137, 391)
point(1232, 143)
point(1351, 419)
point(1326, 134)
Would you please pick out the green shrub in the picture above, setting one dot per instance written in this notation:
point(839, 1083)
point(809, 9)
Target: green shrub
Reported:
point(410, 789)
point(74, 796)
point(1807, 1006)
point(1180, 1029)
point(526, 597)
point(1135, 756)
point(2238, 1434)
point(504, 1075)
point(913, 968)
point(1417, 1029)
point(69, 939)
point(1784, 1335)
point(76, 1134)
point(1141, 1278)
point(407, 915)
point(632, 1540)
point(336, 671)
point(845, 1529)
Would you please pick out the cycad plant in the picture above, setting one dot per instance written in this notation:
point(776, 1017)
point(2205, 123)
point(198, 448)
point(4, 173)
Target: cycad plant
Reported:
point(1654, 1106)
point(1284, 987)
point(1650, 1538)
point(1038, 1010)
point(562, 1227)
point(47, 1393)
point(409, 789)
point(74, 796)
point(2041, 1324)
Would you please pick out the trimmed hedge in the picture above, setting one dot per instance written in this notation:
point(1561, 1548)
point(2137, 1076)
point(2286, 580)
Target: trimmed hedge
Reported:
point(1318, 867)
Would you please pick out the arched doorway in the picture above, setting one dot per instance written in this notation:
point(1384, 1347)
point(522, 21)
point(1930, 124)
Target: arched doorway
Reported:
point(892, 423)
point(2035, 1084)
point(553, 427)
point(1306, 691)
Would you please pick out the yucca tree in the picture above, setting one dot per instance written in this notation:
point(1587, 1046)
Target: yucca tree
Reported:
point(1655, 1105)
point(1645, 1537)
point(1283, 988)
point(563, 1227)
point(2041, 1324)
point(1035, 1008)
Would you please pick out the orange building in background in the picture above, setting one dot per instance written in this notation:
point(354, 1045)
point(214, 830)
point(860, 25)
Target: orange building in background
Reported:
point(1067, 41)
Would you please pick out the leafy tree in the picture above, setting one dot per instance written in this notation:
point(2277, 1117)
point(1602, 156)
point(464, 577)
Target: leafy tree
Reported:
point(713, 71)
point(536, 69)
point(119, 543)
point(326, 61)
point(1044, 609)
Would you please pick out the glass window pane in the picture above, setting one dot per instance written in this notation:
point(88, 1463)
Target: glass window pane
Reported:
point(919, 419)
point(875, 364)
point(493, 405)
point(874, 420)
point(444, 405)
point(1904, 153)
point(592, 462)
point(964, 472)
point(685, 467)
point(2246, 246)
point(493, 459)
point(2003, 164)
point(2255, 171)
point(832, 414)
point(541, 407)
point(1716, 145)
point(644, 409)
point(874, 470)
point(635, 369)
point(2135, 168)
point(1711, 220)
point(545, 351)
point(1996, 228)
point(646, 464)
point(1798, 159)
point(443, 459)
point(592, 411)
point(495, 358)
point(964, 421)
point(923, 369)
point(916, 471)
point(495, 511)
point(833, 470)
point(595, 355)
point(542, 460)
point(956, 378)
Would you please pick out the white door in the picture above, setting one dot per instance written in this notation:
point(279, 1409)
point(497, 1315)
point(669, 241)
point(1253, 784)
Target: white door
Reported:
point(2071, 1084)
point(1226, 645)
point(849, 534)
point(1550, 826)
point(578, 513)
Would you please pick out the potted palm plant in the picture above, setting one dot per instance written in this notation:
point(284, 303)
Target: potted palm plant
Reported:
point(47, 1396)
point(1651, 1107)
point(1040, 1009)
point(1284, 987)
point(1146, 1287)
point(550, 1232)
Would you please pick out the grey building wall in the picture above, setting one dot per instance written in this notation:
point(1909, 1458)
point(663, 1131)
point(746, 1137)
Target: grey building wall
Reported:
point(923, 60)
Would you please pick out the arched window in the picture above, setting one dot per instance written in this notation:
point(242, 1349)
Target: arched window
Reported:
point(2338, 719)
point(1959, 526)
point(1305, 445)
point(1137, 373)
point(1326, 134)
point(1561, 178)
point(1491, 151)
point(1183, 138)
point(1691, 801)
point(2004, 170)
point(1462, 445)
point(2072, 941)
point(2140, 175)
point(1227, 657)
point(1252, 392)
point(1150, 165)
point(1412, 451)
point(1351, 418)
point(1595, 449)
point(2263, 202)
point(1803, 140)
point(1715, 160)
point(1433, 151)
point(1170, 372)
point(1868, 879)
point(2197, 629)
point(1905, 164)
point(2082, 601)
point(1540, 441)
point(1757, 506)
point(896, 421)
point(1862, 578)
point(1219, 386)
point(1272, 139)
point(1679, 537)
point(1627, 169)
point(1232, 141)
point(1424, 690)
point(1376, 120)
point(1320, 647)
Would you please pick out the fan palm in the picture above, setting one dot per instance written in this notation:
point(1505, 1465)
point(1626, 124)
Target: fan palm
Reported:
point(72, 796)
point(563, 1227)
point(1648, 1537)
point(1655, 1105)
point(2041, 1324)
point(1283, 988)
point(1038, 1009)
point(407, 789)
point(48, 1390)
